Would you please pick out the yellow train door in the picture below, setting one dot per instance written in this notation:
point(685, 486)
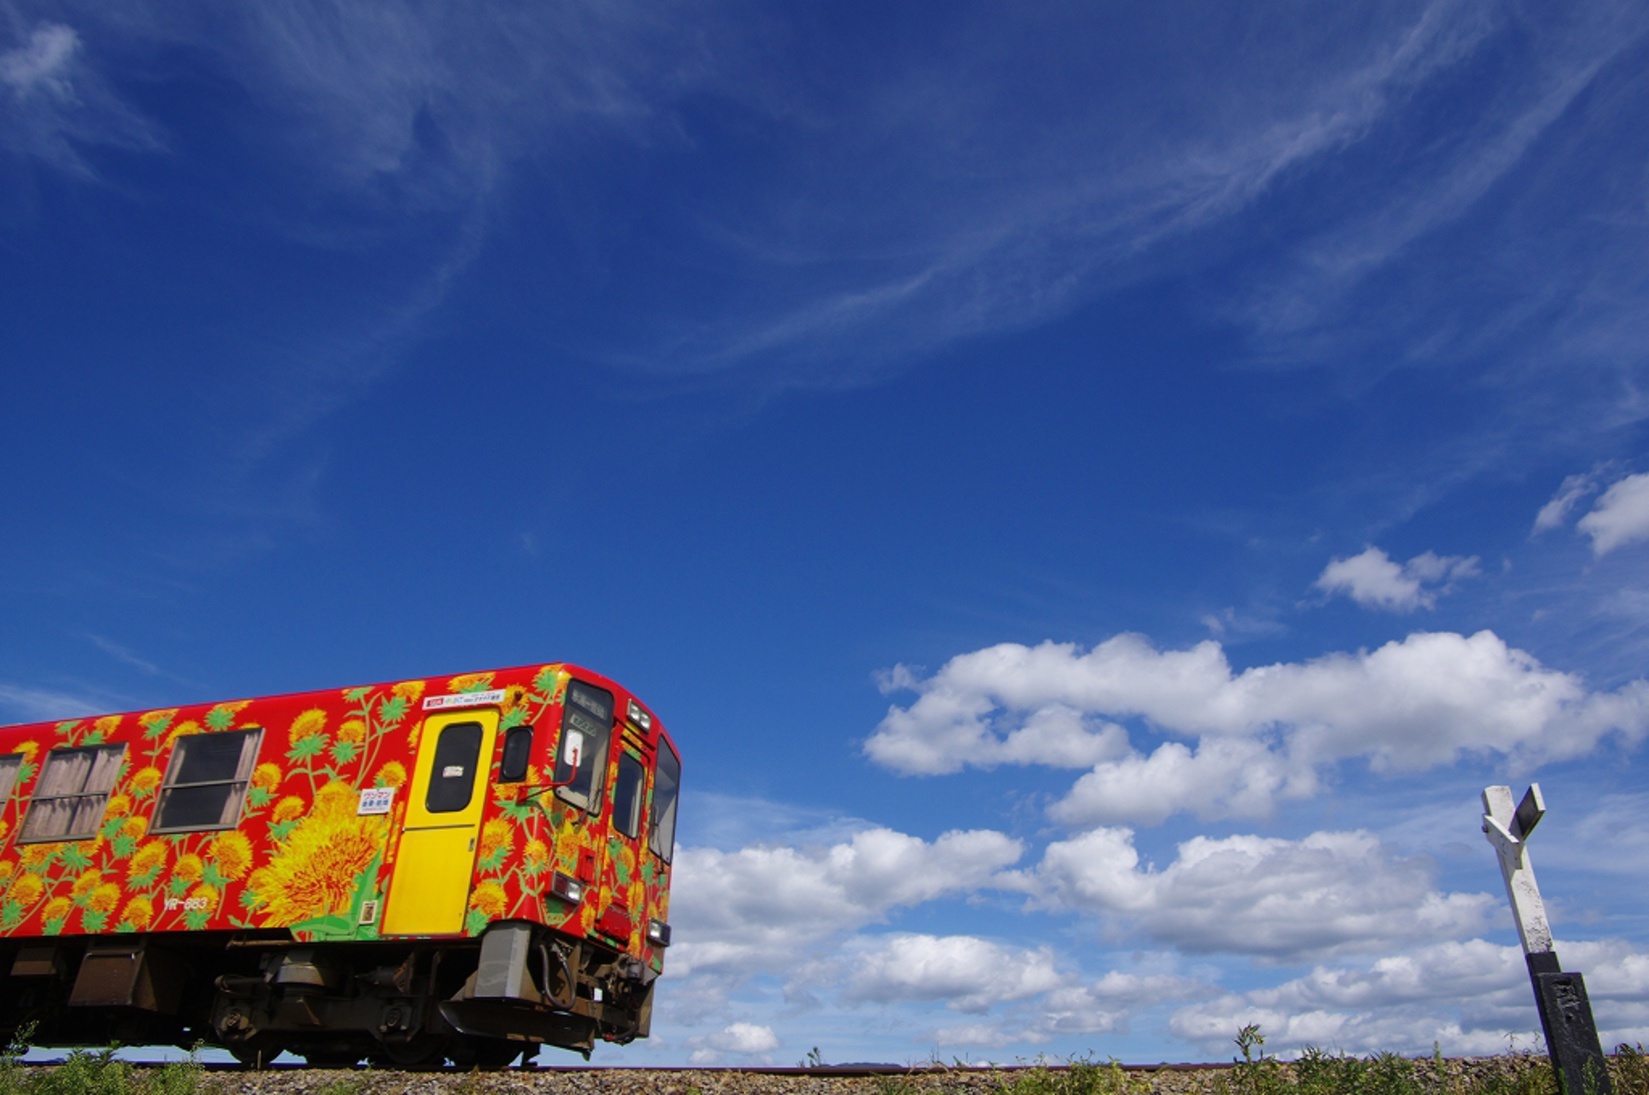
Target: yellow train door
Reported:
point(435, 861)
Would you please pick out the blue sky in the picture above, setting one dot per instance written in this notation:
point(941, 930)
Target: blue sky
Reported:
point(1095, 492)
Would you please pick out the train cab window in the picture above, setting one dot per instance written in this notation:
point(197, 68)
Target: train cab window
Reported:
point(666, 789)
point(206, 780)
point(9, 765)
point(452, 776)
point(517, 752)
point(581, 754)
point(73, 791)
point(627, 795)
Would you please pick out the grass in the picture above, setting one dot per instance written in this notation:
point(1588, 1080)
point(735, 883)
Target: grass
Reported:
point(99, 1072)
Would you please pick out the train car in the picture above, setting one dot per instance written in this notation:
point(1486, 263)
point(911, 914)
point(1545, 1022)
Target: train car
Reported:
point(453, 868)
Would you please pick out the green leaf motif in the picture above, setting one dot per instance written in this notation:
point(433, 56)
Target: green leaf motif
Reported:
point(280, 830)
point(545, 680)
point(515, 716)
point(25, 772)
point(177, 887)
point(249, 898)
point(94, 921)
point(111, 826)
point(392, 710)
point(356, 695)
point(345, 752)
point(94, 738)
point(55, 927)
point(10, 913)
point(307, 748)
point(157, 728)
point(124, 846)
point(65, 729)
point(221, 717)
point(259, 797)
point(493, 860)
point(475, 922)
point(75, 858)
point(195, 920)
point(213, 877)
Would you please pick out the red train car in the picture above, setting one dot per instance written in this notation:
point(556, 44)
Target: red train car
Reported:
point(459, 867)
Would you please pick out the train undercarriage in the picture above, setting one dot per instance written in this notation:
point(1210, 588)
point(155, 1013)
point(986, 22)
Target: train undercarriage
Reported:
point(479, 1002)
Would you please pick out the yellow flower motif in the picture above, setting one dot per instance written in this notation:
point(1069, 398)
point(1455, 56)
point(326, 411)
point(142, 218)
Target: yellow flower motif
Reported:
point(107, 725)
point(314, 872)
point(490, 899)
point(135, 827)
point(120, 805)
point(151, 856)
point(104, 898)
point(183, 729)
point(137, 914)
point(5, 827)
point(469, 682)
point(29, 749)
point(307, 725)
point(57, 908)
point(536, 854)
point(205, 896)
point(26, 889)
point(7, 867)
point(411, 691)
point(145, 780)
point(153, 717)
point(267, 776)
point(352, 730)
point(289, 807)
point(225, 712)
point(534, 774)
point(189, 867)
point(35, 856)
point(495, 834)
point(392, 774)
point(232, 852)
point(513, 695)
point(90, 880)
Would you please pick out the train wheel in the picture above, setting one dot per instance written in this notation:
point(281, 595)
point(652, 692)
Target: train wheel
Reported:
point(423, 1053)
point(254, 1054)
point(488, 1054)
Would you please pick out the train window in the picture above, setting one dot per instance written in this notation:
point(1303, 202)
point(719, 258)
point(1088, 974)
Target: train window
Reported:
point(206, 781)
point(581, 756)
point(517, 752)
point(452, 777)
point(8, 775)
point(627, 795)
point(666, 789)
point(72, 793)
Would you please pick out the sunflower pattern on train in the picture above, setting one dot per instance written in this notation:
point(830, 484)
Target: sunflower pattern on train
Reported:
point(303, 855)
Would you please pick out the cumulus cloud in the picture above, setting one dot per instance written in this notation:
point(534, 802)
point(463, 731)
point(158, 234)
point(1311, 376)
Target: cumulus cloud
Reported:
point(1373, 580)
point(1329, 893)
point(1620, 517)
point(1415, 703)
point(741, 1039)
point(1468, 996)
point(968, 973)
point(758, 907)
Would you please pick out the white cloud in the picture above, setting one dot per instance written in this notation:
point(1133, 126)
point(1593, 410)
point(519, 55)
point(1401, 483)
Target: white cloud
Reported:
point(968, 973)
point(53, 102)
point(1568, 495)
point(1224, 777)
point(1374, 581)
point(1620, 517)
point(1468, 996)
point(1412, 704)
point(760, 907)
point(1330, 893)
point(741, 1039)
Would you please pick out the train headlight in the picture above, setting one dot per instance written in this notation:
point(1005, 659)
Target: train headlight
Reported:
point(567, 888)
point(640, 717)
point(658, 933)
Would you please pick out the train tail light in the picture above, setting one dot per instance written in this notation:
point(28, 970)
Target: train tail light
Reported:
point(567, 888)
point(658, 933)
